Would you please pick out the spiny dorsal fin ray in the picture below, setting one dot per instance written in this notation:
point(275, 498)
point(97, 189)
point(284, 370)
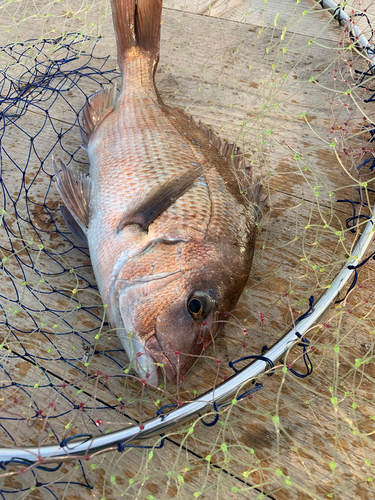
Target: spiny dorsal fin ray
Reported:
point(233, 154)
point(255, 197)
point(98, 107)
point(218, 152)
point(75, 192)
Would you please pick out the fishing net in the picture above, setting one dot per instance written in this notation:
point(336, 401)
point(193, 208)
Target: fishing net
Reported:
point(292, 89)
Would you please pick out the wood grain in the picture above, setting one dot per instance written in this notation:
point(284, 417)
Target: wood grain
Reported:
point(299, 17)
point(206, 70)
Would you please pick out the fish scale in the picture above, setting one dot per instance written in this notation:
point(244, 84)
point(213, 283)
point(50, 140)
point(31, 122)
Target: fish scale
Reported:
point(170, 235)
point(121, 179)
point(145, 159)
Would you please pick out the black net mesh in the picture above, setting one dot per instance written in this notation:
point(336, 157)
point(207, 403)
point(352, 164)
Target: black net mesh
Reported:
point(63, 371)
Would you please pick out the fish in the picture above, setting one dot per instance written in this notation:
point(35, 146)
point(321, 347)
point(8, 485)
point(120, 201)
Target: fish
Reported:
point(168, 210)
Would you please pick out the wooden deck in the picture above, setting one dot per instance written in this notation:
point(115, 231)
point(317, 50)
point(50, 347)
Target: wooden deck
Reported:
point(216, 62)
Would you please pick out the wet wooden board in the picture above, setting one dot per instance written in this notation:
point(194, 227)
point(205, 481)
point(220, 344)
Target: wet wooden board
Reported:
point(258, 298)
point(305, 18)
point(304, 409)
point(90, 479)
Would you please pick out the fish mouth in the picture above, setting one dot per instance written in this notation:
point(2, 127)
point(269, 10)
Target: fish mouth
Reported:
point(177, 364)
point(155, 350)
point(171, 338)
point(135, 343)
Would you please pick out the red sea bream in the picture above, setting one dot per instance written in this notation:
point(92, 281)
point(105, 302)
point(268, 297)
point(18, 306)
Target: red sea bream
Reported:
point(170, 235)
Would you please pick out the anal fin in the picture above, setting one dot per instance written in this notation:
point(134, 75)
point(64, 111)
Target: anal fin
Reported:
point(75, 192)
point(98, 107)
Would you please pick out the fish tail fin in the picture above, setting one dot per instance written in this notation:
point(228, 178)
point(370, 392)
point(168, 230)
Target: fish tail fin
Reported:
point(137, 24)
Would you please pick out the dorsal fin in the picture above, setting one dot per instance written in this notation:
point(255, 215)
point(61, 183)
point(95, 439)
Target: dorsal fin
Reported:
point(251, 190)
point(232, 153)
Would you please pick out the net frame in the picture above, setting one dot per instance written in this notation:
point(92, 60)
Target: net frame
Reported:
point(85, 444)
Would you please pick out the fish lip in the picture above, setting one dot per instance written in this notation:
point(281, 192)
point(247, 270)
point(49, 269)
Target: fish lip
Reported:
point(156, 352)
point(174, 372)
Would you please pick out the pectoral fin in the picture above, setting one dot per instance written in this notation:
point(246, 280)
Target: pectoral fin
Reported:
point(159, 198)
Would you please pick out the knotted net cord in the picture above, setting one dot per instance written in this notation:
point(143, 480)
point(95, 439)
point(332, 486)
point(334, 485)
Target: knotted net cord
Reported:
point(64, 373)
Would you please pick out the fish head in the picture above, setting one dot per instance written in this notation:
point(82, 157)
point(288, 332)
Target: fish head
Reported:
point(168, 316)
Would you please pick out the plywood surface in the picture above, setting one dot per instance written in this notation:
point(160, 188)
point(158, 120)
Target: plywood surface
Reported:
point(223, 78)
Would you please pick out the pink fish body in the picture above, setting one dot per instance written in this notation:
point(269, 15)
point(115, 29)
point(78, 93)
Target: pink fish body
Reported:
point(171, 237)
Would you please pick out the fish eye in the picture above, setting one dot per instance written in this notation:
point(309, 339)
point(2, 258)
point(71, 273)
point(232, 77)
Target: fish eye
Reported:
point(199, 304)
